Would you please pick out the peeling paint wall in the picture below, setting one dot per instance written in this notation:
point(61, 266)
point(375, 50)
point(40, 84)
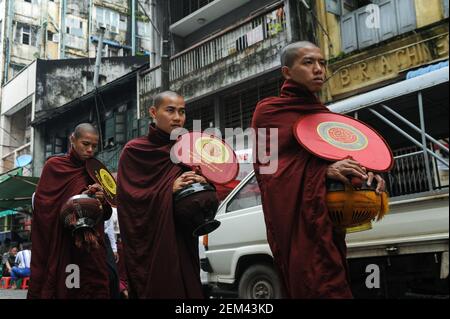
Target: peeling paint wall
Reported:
point(60, 82)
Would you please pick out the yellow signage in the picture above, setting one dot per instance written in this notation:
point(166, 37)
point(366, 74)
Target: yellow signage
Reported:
point(387, 65)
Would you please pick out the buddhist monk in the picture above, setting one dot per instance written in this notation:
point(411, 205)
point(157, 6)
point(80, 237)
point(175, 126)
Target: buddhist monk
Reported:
point(56, 259)
point(309, 253)
point(162, 261)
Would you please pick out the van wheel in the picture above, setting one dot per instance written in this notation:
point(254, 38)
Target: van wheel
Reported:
point(260, 282)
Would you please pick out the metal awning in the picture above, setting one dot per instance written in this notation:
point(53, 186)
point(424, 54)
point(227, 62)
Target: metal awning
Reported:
point(392, 91)
point(16, 191)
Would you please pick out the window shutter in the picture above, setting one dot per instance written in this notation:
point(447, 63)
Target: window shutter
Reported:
point(349, 35)
point(445, 7)
point(120, 127)
point(388, 20)
point(406, 15)
point(367, 35)
point(333, 6)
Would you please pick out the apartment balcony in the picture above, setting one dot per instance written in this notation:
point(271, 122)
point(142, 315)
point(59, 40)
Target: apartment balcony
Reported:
point(233, 55)
point(197, 17)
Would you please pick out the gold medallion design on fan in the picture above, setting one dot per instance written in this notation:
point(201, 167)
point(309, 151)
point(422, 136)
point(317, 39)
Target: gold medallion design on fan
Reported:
point(212, 150)
point(108, 182)
point(342, 136)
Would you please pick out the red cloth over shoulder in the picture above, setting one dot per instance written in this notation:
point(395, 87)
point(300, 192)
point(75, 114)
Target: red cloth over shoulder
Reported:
point(308, 252)
point(53, 247)
point(162, 262)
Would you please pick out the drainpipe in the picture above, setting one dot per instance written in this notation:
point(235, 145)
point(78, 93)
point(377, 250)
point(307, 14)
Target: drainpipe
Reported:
point(98, 59)
point(9, 18)
point(133, 27)
point(62, 30)
point(91, 9)
point(165, 54)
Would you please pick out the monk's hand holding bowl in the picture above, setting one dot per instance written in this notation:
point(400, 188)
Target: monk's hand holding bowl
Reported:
point(381, 186)
point(348, 167)
point(186, 179)
point(96, 191)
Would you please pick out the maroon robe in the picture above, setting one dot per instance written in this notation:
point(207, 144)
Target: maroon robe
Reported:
point(53, 245)
point(308, 252)
point(162, 262)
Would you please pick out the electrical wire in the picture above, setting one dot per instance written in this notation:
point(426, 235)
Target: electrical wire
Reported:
point(12, 137)
point(311, 11)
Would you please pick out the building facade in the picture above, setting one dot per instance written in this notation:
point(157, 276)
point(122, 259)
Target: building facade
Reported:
point(58, 29)
point(40, 92)
point(225, 58)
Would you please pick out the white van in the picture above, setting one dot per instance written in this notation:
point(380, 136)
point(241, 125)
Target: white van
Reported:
point(409, 246)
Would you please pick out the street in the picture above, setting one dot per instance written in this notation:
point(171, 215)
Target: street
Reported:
point(13, 294)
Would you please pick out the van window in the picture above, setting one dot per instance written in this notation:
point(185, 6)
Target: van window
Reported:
point(248, 196)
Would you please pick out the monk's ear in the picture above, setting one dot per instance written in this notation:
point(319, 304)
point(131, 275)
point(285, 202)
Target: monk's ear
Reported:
point(72, 138)
point(152, 110)
point(286, 72)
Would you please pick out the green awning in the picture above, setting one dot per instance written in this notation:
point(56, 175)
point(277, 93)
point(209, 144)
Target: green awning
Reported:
point(16, 191)
point(7, 213)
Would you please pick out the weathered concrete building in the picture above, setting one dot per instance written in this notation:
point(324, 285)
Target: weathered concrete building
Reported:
point(39, 92)
point(58, 29)
point(221, 48)
point(225, 56)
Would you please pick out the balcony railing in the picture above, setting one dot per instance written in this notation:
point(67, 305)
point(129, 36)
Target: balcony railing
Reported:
point(409, 175)
point(268, 25)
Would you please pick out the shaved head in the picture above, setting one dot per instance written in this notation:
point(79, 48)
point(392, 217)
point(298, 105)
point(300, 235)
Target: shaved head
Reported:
point(83, 128)
point(159, 99)
point(290, 53)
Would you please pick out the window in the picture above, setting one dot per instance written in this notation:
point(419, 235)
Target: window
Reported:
point(239, 108)
point(203, 111)
point(249, 196)
point(108, 18)
point(16, 68)
point(143, 29)
point(100, 15)
point(26, 34)
point(74, 27)
point(390, 18)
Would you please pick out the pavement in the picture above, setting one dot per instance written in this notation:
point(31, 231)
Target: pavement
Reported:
point(13, 294)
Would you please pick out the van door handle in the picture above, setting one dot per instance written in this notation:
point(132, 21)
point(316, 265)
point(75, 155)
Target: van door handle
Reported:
point(391, 250)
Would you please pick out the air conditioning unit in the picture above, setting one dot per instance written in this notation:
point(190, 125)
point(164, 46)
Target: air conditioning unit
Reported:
point(55, 37)
point(101, 25)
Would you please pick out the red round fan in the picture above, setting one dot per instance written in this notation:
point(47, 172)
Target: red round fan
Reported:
point(335, 137)
point(215, 159)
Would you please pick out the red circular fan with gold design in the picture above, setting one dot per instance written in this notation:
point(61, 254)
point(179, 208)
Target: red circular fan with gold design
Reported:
point(215, 159)
point(335, 137)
